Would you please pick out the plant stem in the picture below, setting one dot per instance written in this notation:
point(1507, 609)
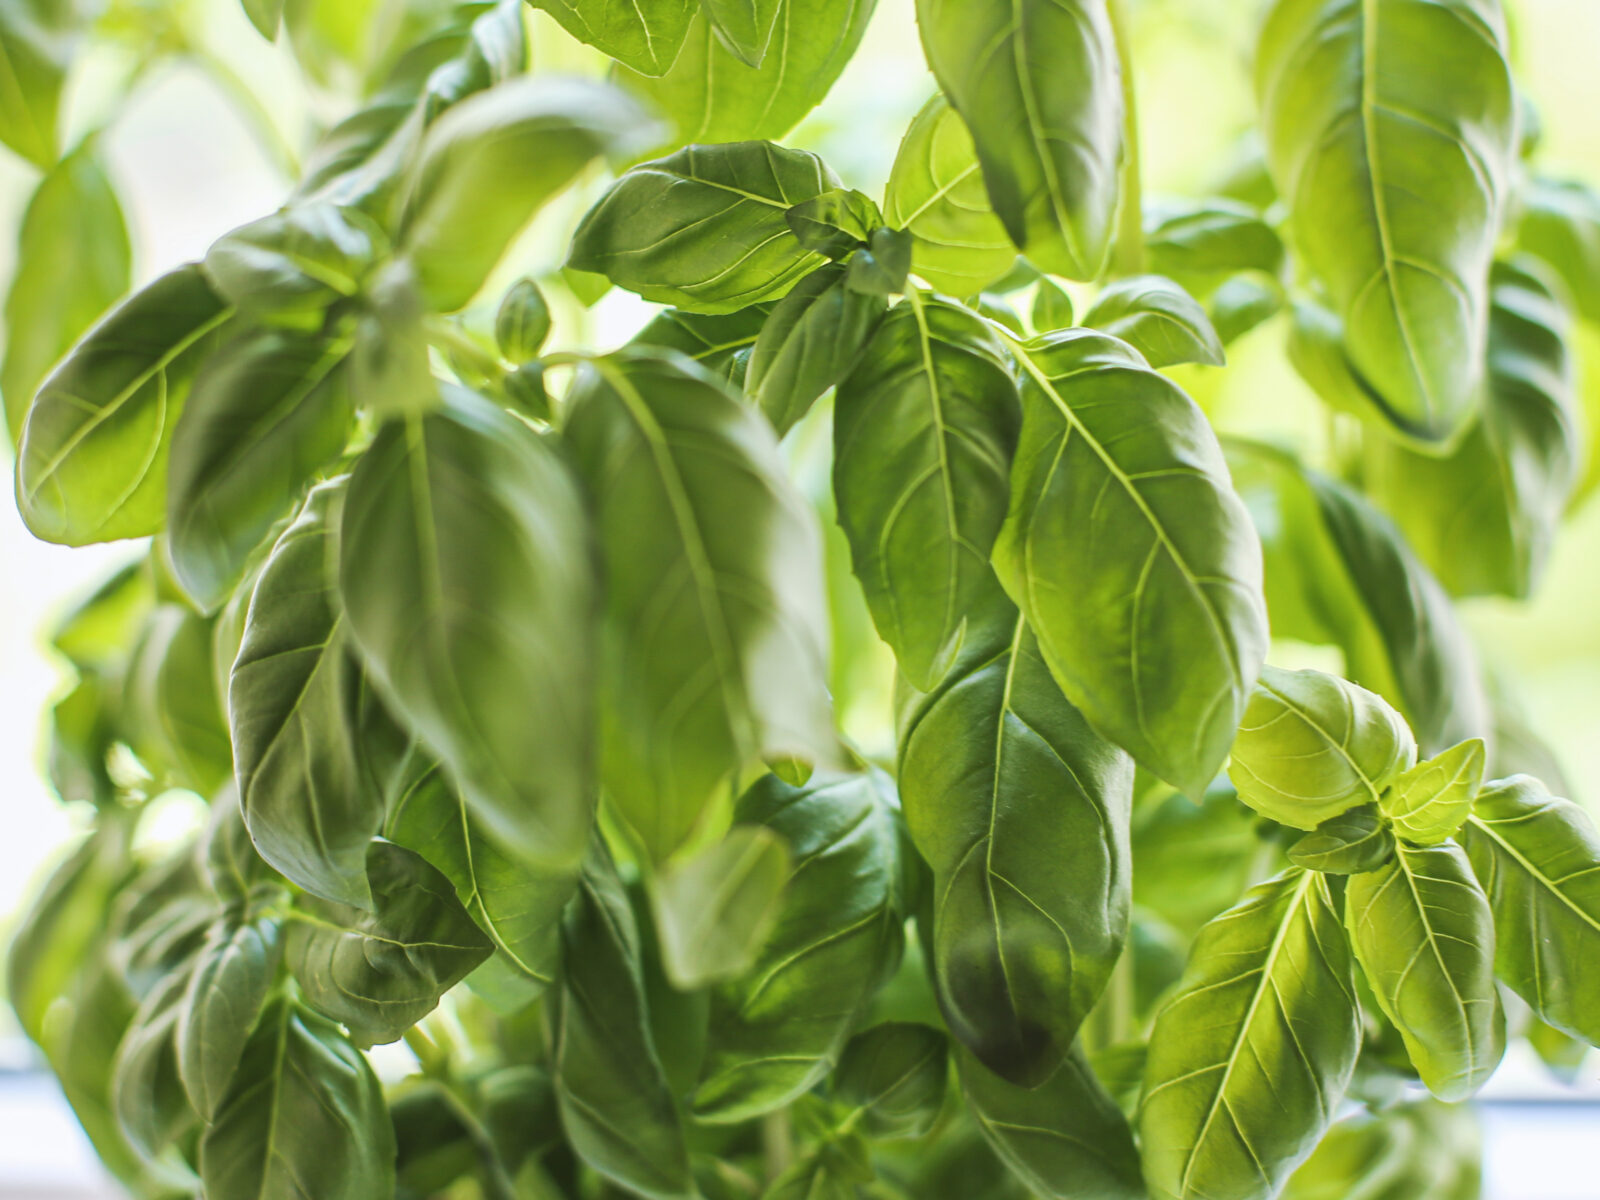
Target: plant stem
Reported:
point(434, 1061)
point(777, 1143)
point(1129, 257)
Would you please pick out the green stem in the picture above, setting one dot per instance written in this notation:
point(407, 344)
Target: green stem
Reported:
point(777, 1143)
point(1129, 258)
point(435, 1062)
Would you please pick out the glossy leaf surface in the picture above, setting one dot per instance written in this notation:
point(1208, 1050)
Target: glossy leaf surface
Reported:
point(1348, 844)
point(891, 1079)
point(287, 268)
point(643, 34)
point(714, 909)
point(1429, 802)
point(224, 996)
point(1159, 319)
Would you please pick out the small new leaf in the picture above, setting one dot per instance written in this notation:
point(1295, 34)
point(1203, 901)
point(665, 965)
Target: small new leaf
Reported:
point(1347, 844)
point(1429, 802)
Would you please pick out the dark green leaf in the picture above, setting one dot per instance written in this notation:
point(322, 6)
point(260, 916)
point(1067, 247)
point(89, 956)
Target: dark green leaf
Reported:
point(1131, 556)
point(645, 35)
point(776, 1031)
point(467, 573)
point(722, 343)
point(813, 339)
point(745, 27)
point(304, 1105)
point(226, 991)
point(1539, 860)
point(616, 1107)
point(706, 228)
point(146, 1093)
point(1022, 812)
point(1429, 802)
point(489, 163)
point(714, 909)
point(1311, 746)
point(936, 194)
point(834, 223)
point(924, 431)
point(1250, 1058)
point(1424, 935)
point(266, 412)
point(1561, 224)
point(1159, 319)
point(1347, 844)
point(712, 652)
point(881, 267)
point(1037, 82)
point(710, 96)
point(380, 972)
point(892, 1079)
point(1391, 131)
point(92, 465)
point(72, 264)
point(522, 323)
point(288, 268)
point(1065, 1139)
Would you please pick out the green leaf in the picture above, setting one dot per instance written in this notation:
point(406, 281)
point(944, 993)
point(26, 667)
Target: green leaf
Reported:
point(35, 51)
point(176, 720)
point(1340, 573)
point(1196, 240)
point(492, 161)
point(706, 228)
point(522, 322)
point(1022, 813)
point(745, 27)
point(1348, 844)
point(617, 1109)
point(1429, 802)
point(722, 343)
point(1037, 82)
point(517, 906)
point(225, 993)
point(814, 338)
point(924, 430)
point(380, 972)
point(146, 1094)
point(713, 910)
point(292, 704)
point(1052, 308)
point(1561, 225)
point(96, 634)
point(1065, 1139)
point(778, 1030)
point(1250, 1058)
point(92, 464)
point(711, 96)
point(881, 266)
point(1391, 131)
point(266, 16)
point(73, 262)
point(1424, 935)
point(646, 35)
point(288, 268)
point(1131, 556)
point(1311, 746)
point(266, 412)
point(835, 223)
point(1192, 861)
point(712, 655)
point(892, 1079)
point(1539, 860)
point(1485, 517)
point(303, 1105)
point(467, 572)
point(1159, 319)
point(1242, 303)
point(936, 193)
point(1419, 1148)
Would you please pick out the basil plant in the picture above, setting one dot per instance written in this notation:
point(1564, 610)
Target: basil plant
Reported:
point(524, 677)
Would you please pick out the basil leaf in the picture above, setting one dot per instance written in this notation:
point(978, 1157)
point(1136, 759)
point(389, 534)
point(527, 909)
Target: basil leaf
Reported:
point(711, 96)
point(1159, 319)
point(936, 194)
point(892, 1079)
point(924, 431)
point(1064, 1139)
point(1311, 746)
point(518, 907)
point(1536, 856)
point(619, 1114)
point(722, 343)
point(292, 703)
point(522, 323)
point(1348, 844)
point(490, 162)
point(711, 658)
point(1037, 83)
point(1339, 572)
point(1022, 813)
point(233, 973)
point(1561, 225)
point(706, 228)
point(1429, 802)
point(814, 338)
point(1197, 240)
point(1511, 476)
point(92, 464)
point(1424, 935)
point(646, 35)
point(73, 262)
point(35, 50)
point(464, 555)
point(1052, 309)
point(1391, 131)
point(1119, 480)
point(1193, 861)
point(880, 267)
point(1242, 303)
point(303, 1105)
point(380, 972)
point(714, 909)
point(1250, 1058)
point(148, 1098)
point(778, 1029)
point(834, 223)
point(266, 412)
point(1418, 1148)
point(176, 720)
point(286, 269)
point(266, 16)
point(745, 27)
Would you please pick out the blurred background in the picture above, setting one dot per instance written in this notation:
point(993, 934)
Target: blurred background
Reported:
point(204, 148)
